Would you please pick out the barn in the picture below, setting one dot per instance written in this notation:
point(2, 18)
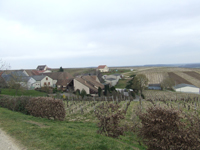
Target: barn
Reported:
point(186, 88)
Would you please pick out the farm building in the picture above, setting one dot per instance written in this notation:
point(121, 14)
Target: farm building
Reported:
point(186, 88)
point(154, 87)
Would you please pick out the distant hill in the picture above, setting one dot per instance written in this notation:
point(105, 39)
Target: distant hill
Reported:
point(194, 65)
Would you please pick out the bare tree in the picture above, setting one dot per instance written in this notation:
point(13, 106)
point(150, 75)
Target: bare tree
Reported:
point(167, 83)
point(3, 68)
point(140, 82)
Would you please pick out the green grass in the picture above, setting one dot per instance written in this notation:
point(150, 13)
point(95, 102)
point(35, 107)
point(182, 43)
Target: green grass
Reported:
point(122, 83)
point(40, 133)
point(12, 92)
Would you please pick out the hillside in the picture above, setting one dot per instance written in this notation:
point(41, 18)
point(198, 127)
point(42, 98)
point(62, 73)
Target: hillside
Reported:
point(156, 75)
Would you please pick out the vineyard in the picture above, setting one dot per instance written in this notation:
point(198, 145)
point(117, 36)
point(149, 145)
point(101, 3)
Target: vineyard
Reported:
point(155, 78)
point(156, 75)
point(78, 109)
point(193, 74)
point(189, 78)
point(128, 116)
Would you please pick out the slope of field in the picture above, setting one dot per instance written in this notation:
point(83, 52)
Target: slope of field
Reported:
point(155, 77)
point(177, 78)
point(193, 74)
point(189, 78)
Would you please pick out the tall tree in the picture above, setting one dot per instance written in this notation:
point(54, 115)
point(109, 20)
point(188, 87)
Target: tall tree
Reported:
point(140, 82)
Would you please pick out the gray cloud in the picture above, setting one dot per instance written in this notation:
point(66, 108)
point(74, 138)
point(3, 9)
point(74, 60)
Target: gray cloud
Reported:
point(93, 32)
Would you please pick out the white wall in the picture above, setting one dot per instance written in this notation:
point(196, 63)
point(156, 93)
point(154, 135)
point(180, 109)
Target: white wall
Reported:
point(48, 81)
point(30, 83)
point(188, 90)
point(106, 69)
point(37, 84)
point(80, 86)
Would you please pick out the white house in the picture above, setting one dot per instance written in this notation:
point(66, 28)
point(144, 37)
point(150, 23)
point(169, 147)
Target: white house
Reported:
point(42, 81)
point(186, 88)
point(103, 68)
point(43, 69)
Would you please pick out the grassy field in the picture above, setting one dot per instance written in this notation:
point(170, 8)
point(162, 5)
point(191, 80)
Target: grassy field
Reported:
point(77, 71)
point(116, 71)
point(122, 83)
point(39, 133)
point(12, 92)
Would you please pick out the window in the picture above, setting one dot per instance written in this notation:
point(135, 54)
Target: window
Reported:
point(46, 78)
point(45, 83)
point(48, 83)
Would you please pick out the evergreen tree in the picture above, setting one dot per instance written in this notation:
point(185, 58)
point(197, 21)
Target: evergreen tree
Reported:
point(61, 69)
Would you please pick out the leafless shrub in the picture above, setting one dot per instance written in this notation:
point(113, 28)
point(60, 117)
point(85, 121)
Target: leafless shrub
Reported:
point(46, 107)
point(109, 117)
point(164, 129)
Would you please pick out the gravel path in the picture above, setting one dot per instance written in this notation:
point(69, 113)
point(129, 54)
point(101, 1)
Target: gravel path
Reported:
point(8, 143)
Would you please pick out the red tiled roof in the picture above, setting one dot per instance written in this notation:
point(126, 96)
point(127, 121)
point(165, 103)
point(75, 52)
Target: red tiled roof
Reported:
point(101, 67)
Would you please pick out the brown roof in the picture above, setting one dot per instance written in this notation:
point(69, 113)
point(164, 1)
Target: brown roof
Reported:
point(90, 82)
point(63, 82)
point(101, 67)
point(32, 72)
point(59, 75)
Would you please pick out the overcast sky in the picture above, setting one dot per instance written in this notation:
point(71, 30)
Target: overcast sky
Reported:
point(84, 33)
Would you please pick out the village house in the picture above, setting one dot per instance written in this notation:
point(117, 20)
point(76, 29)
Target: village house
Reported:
point(20, 77)
point(43, 69)
point(42, 81)
point(61, 80)
point(88, 83)
point(103, 68)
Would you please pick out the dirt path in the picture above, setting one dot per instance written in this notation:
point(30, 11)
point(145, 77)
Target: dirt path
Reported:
point(8, 143)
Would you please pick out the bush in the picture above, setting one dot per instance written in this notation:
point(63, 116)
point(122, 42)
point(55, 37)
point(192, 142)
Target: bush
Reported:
point(46, 108)
point(109, 117)
point(37, 106)
point(15, 103)
point(163, 129)
point(83, 93)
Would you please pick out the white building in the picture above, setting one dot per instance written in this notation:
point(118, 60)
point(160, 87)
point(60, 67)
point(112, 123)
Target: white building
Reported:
point(103, 68)
point(42, 81)
point(186, 88)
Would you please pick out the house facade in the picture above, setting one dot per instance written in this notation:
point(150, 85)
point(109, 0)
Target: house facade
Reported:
point(61, 80)
point(42, 81)
point(103, 68)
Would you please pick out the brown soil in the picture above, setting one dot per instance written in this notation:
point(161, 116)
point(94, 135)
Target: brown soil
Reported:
point(193, 74)
point(177, 78)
